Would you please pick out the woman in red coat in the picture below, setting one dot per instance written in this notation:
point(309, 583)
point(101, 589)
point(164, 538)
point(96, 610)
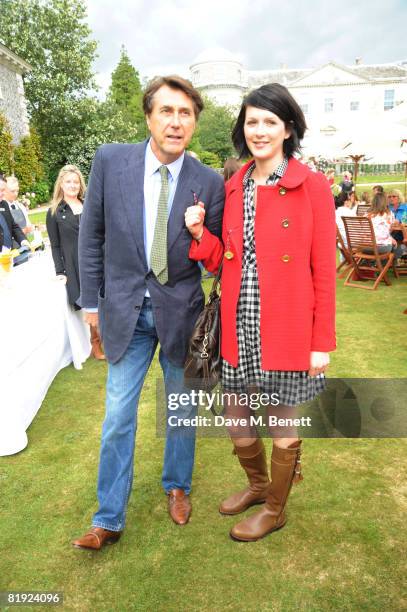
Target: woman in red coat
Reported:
point(278, 294)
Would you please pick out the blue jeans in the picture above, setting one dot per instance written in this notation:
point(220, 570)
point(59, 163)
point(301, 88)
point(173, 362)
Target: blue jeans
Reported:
point(124, 383)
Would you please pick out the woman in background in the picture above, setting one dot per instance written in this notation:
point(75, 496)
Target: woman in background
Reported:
point(63, 219)
point(231, 166)
point(382, 219)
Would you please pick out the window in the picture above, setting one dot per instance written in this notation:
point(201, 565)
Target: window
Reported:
point(354, 105)
point(329, 105)
point(388, 99)
point(304, 108)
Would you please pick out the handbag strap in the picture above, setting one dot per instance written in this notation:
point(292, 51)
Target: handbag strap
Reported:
point(216, 281)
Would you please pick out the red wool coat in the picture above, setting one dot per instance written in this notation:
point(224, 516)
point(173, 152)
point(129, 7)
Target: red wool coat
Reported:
point(295, 250)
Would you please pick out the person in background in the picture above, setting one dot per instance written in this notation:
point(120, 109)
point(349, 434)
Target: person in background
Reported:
point(10, 230)
point(63, 219)
point(18, 210)
point(399, 210)
point(330, 176)
point(278, 296)
point(382, 219)
point(365, 197)
point(346, 208)
point(377, 189)
point(346, 185)
point(230, 167)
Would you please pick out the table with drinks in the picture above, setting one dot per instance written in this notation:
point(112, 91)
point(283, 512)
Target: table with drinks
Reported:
point(40, 334)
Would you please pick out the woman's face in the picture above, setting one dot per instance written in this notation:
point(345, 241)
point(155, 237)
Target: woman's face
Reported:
point(394, 200)
point(70, 185)
point(264, 132)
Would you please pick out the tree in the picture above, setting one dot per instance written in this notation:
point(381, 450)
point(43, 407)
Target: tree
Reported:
point(126, 92)
point(101, 122)
point(54, 38)
point(215, 126)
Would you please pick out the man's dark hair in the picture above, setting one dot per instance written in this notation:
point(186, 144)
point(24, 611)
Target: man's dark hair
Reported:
point(378, 189)
point(175, 82)
point(278, 100)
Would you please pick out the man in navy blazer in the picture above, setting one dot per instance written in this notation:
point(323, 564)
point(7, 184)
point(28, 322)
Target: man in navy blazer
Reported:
point(139, 285)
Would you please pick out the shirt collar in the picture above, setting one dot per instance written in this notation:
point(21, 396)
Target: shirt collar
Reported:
point(278, 172)
point(152, 163)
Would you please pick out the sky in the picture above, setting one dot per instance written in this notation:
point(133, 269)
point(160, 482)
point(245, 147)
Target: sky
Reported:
point(162, 37)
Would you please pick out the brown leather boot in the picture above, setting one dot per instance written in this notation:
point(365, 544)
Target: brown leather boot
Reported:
point(285, 469)
point(253, 460)
point(96, 343)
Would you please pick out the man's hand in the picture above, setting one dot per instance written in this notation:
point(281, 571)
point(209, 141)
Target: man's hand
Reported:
point(318, 363)
point(194, 219)
point(62, 278)
point(92, 319)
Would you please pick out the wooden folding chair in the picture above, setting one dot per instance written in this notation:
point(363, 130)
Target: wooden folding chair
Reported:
point(363, 249)
point(362, 209)
point(346, 262)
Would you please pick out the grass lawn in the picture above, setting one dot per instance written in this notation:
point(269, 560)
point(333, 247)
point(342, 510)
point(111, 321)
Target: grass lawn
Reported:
point(38, 217)
point(342, 548)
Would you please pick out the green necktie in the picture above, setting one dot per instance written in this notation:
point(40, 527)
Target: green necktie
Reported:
point(158, 257)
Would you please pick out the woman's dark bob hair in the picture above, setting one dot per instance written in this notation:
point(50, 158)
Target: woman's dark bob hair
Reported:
point(278, 100)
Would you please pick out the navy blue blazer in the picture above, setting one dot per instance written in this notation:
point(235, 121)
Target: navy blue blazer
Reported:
point(112, 263)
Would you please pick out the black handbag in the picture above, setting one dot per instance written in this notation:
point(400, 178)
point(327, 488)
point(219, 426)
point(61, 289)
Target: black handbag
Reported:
point(203, 363)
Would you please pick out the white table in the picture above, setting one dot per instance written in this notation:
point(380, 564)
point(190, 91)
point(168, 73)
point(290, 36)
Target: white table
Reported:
point(39, 335)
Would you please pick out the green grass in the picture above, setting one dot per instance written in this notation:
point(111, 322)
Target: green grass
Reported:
point(379, 178)
point(38, 217)
point(342, 548)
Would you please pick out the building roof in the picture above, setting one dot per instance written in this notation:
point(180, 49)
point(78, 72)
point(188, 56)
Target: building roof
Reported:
point(14, 59)
point(289, 76)
point(216, 54)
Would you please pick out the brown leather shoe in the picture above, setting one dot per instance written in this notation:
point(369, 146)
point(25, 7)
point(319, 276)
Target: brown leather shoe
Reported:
point(252, 458)
point(96, 538)
point(179, 506)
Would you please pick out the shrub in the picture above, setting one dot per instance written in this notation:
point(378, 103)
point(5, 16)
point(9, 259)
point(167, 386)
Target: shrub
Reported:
point(27, 165)
point(210, 159)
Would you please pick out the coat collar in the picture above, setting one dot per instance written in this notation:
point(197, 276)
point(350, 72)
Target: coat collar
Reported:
point(295, 174)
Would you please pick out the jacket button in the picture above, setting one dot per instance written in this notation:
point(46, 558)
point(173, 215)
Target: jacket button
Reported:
point(285, 258)
point(282, 191)
point(285, 222)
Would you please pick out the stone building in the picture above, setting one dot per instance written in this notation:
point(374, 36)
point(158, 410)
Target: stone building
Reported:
point(12, 99)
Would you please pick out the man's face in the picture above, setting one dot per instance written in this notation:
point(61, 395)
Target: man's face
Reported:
point(2, 189)
point(171, 123)
point(11, 192)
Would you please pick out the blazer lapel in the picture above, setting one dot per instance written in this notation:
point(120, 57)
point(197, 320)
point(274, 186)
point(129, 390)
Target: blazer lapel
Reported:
point(131, 179)
point(187, 186)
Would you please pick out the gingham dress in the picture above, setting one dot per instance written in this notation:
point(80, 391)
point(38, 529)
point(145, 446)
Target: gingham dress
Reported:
point(293, 387)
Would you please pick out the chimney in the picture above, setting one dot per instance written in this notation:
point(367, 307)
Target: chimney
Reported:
point(358, 61)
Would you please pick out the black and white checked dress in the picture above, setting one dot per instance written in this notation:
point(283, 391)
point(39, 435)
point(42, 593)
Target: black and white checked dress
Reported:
point(294, 387)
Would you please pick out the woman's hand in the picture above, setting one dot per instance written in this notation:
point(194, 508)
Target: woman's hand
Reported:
point(318, 363)
point(194, 218)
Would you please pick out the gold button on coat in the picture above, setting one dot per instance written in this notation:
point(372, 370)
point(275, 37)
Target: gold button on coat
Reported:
point(285, 258)
point(282, 191)
point(285, 222)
